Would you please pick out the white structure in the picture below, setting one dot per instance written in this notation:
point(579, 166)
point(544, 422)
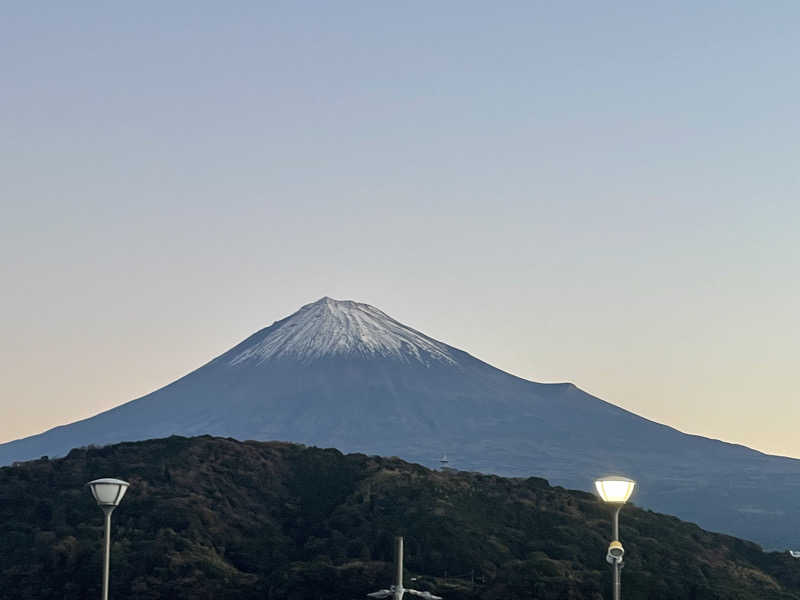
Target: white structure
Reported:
point(794, 553)
point(445, 465)
point(108, 493)
point(397, 590)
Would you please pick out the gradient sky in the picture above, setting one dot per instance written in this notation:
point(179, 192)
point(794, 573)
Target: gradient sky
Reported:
point(607, 194)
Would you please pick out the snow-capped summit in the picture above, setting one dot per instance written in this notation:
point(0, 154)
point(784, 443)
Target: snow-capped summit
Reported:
point(340, 374)
point(331, 327)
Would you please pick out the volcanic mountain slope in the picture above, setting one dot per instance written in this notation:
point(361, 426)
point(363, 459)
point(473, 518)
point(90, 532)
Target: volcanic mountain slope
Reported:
point(346, 375)
point(218, 519)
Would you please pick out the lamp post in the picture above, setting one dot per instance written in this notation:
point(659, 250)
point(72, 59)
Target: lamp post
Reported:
point(108, 493)
point(615, 491)
point(397, 590)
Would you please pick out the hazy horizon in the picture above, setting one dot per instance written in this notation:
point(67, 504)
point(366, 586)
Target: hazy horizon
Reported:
point(604, 195)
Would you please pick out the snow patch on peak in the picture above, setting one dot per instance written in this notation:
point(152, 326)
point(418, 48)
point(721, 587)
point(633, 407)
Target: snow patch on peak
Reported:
point(331, 327)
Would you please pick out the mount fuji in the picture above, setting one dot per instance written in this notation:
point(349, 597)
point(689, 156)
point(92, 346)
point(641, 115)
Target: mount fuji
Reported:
point(346, 375)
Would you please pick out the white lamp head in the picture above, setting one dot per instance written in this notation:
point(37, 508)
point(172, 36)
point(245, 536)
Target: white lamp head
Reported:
point(108, 492)
point(615, 489)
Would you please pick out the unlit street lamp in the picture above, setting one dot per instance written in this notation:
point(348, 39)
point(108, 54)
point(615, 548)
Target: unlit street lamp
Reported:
point(108, 493)
point(615, 491)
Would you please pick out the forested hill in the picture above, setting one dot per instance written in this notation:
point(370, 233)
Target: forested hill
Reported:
point(212, 518)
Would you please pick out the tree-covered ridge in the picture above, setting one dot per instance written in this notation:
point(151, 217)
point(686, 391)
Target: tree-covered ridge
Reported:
point(216, 518)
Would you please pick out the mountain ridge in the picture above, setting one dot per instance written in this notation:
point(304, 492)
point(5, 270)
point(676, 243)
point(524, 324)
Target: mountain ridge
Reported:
point(212, 518)
point(365, 391)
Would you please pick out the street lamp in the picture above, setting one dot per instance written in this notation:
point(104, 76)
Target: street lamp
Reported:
point(615, 491)
point(108, 493)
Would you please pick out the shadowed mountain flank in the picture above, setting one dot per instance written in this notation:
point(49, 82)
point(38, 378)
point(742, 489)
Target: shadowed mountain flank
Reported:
point(346, 375)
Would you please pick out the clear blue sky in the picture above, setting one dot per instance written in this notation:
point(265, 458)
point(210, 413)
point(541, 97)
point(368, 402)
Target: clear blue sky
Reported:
point(599, 193)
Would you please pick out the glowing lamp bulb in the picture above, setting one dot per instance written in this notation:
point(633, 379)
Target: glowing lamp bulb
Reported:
point(615, 489)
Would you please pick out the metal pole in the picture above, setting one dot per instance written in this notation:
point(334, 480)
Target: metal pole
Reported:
point(617, 567)
point(107, 553)
point(398, 561)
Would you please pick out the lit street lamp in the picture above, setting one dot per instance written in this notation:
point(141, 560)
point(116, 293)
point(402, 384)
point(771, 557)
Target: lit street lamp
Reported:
point(615, 491)
point(108, 493)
